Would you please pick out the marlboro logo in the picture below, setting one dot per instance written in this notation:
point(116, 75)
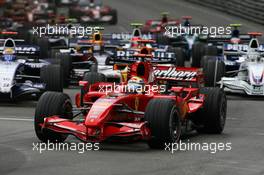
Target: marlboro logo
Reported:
point(172, 73)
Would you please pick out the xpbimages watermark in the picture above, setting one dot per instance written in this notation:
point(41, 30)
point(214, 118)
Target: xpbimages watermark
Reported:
point(130, 88)
point(63, 146)
point(212, 147)
point(174, 31)
point(64, 30)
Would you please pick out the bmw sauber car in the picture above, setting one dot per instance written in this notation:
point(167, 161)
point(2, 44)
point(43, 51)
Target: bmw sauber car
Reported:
point(23, 74)
point(249, 79)
point(220, 45)
point(233, 60)
point(93, 11)
point(138, 109)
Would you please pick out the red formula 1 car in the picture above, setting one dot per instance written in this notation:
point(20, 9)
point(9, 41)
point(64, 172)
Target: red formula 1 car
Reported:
point(158, 26)
point(94, 12)
point(164, 102)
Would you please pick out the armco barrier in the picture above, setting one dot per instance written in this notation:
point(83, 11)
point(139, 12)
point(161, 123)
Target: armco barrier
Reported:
point(252, 10)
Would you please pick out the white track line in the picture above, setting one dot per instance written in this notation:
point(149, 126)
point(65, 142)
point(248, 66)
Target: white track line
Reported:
point(17, 119)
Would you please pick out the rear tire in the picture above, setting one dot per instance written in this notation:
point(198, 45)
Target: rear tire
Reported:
point(213, 69)
point(197, 54)
point(210, 51)
point(163, 121)
point(66, 64)
point(180, 56)
point(43, 44)
point(49, 104)
point(213, 114)
point(115, 17)
point(161, 39)
point(94, 68)
point(94, 77)
point(51, 75)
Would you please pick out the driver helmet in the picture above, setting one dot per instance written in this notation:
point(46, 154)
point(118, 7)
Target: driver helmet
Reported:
point(135, 85)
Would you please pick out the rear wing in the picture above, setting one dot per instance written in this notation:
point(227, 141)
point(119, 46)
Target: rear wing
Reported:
point(126, 36)
point(224, 38)
point(174, 74)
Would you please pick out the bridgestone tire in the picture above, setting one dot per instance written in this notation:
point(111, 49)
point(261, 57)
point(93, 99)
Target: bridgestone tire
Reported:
point(213, 70)
point(66, 64)
point(197, 54)
point(163, 121)
point(94, 77)
point(49, 104)
point(43, 44)
point(114, 17)
point(51, 76)
point(210, 51)
point(213, 114)
point(180, 56)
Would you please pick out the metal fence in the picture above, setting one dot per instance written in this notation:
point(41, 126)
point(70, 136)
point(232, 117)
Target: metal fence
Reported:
point(252, 10)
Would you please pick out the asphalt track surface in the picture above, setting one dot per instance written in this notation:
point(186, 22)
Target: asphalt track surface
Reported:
point(244, 126)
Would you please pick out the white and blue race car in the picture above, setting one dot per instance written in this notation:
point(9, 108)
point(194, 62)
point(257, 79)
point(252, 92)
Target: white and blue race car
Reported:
point(249, 77)
point(22, 73)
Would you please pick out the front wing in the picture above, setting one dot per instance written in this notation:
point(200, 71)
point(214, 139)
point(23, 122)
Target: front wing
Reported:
point(235, 85)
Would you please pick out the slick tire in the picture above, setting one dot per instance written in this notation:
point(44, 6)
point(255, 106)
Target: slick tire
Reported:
point(210, 50)
point(163, 40)
point(213, 69)
point(197, 54)
point(114, 20)
point(43, 44)
point(180, 56)
point(66, 63)
point(94, 77)
point(52, 77)
point(213, 114)
point(163, 121)
point(94, 68)
point(49, 104)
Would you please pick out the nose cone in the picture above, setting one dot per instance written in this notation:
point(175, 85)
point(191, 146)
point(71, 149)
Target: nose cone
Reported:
point(256, 74)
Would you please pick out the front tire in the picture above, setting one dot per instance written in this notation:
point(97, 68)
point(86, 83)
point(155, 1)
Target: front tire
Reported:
point(49, 104)
point(163, 121)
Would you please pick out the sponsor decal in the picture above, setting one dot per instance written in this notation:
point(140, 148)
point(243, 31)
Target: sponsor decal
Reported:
point(127, 36)
point(23, 49)
point(156, 54)
point(173, 73)
point(241, 47)
point(26, 50)
point(36, 65)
